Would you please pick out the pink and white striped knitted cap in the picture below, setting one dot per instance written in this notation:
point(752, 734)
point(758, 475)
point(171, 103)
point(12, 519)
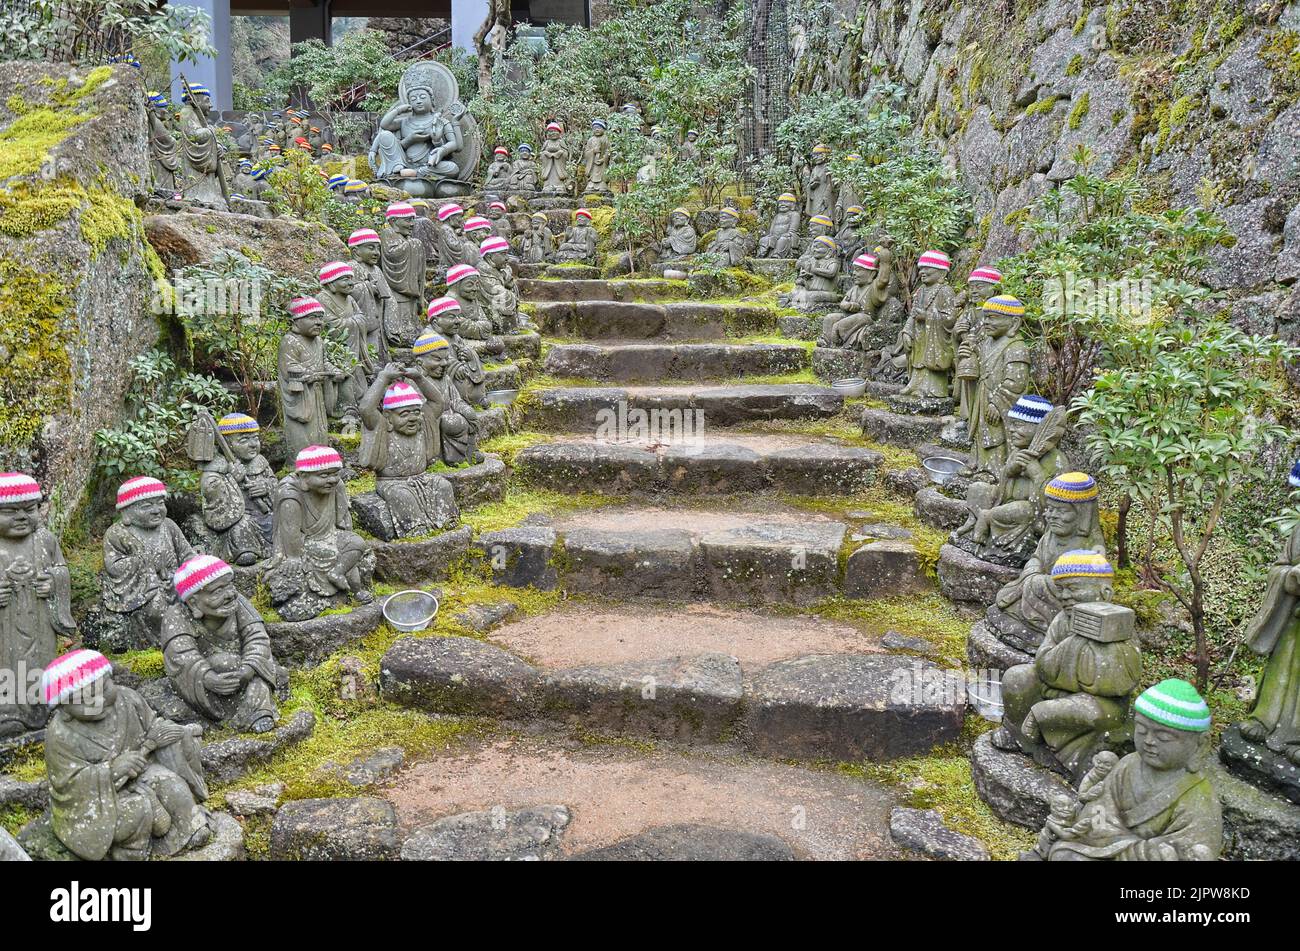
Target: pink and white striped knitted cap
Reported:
point(498, 205)
point(440, 305)
point(476, 224)
point(399, 209)
point(934, 259)
point(17, 489)
point(199, 572)
point(448, 210)
point(72, 672)
point(402, 394)
point(867, 261)
point(554, 127)
point(501, 150)
point(334, 270)
point(317, 458)
point(139, 489)
point(460, 272)
point(362, 236)
point(305, 306)
point(582, 213)
point(985, 275)
point(494, 244)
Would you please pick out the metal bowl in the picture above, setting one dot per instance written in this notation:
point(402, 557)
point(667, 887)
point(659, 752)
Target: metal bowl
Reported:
point(985, 695)
point(850, 386)
point(942, 468)
point(411, 610)
point(502, 397)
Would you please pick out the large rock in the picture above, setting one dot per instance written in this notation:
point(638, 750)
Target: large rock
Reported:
point(649, 563)
point(418, 562)
point(457, 675)
point(10, 850)
point(969, 580)
point(923, 830)
point(766, 562)
point(226, 760)
point(362, 829)
point(531, 834)
point(303, 643)
point(289, 246)
point(1011, 784)
point(521, 557)
point(884, 569)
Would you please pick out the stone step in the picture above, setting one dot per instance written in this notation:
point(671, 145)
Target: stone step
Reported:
point(652, 362)
point(610, 410)
point(559, 272)
point(525, 344)
point(561, 289)
point(707, 464)
point(674, 320)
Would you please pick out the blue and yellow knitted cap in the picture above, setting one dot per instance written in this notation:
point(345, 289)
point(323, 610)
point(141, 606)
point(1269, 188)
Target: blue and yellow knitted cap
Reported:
point(1005, 304)
point(1082, 563)
point(1072, 487)
point(237, 423)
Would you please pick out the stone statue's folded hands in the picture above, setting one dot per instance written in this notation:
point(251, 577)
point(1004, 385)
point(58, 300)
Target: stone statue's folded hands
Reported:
point(127, 765)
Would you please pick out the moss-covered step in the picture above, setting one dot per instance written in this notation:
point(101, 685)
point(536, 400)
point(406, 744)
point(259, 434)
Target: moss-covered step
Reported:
point(674, 320)
point(729, 463)
point(523, 345)
point(612, 412)
point(652, 362)
point(559, 272)
point(563, 289)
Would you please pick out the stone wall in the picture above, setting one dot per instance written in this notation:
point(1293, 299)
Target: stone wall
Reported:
point(76, 274)
point(1201, 98)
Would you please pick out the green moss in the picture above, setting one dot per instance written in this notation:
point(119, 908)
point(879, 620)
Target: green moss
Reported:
point(1075, 66)
point(143, 663)
point(1078, 113)
point(1041, 106)
point(509, 445)
point(28, 765)
point(35, 362)
point(520, 502)
point(14, 817)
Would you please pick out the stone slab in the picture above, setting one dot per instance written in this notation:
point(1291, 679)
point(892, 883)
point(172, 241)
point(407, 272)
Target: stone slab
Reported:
point(691, 843)
point(531, 834)
point(882, 425)
point(923, 830)
point(457, 675)
point(651, 363)
point(969, 580)
point(936, 509)
point(617, 563)
point(360, 829)
point(306, 643)
point(590, 409)
point(417, 562)
point(521, 557)
point(1011, 784)
point(884, 569)
point(555, 289)
point(766, 562)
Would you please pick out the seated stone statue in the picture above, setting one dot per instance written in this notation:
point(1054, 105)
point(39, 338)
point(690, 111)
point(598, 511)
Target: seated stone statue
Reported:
point(458, 423)
point(499, 286)
point(141, 553)
point(236, 487)
point(1002, 376)
point(1024, 607)
point(498, 171)
point(401, 439)
point(453, 245)
point(818, 271)
point(782, 237)
point(681, 240)
point(1153, 805)
point(466, 368)
point(318, 557)
point(1073, 700)
point(427, 143)
point(308, 383)
point(927, 335)
point(1003, 523)
point(538, 244)
point(579, 243)
point(216, 651)
point(465, 286)
point(730, 244)
point(477, 230)
point(35, 600)
point(497, 213)
point(849, 237)
point(125, 784)
point(819, 225)
point(525, 174)
point(863, 320)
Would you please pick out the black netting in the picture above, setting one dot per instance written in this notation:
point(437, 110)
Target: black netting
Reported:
point(767, 101)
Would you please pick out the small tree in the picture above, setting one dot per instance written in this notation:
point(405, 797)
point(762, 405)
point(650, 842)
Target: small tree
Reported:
point(1181, 426)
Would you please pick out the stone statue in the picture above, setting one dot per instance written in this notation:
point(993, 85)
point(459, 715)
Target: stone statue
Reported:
point(554, 161)
point(501, 224)
point(125, 784)
point(818, 271)
point(403, 258)
point(308, 382)
point(476, 230)
point(927, 335)
point(1024, 607)
point(1002, 364)
point(968, 332)
point(595, 158)
point(164, 152)
point(426, 230)
point(525, 174)
point(141, 552)
point(499, 286)
point(465, 286)
point(849, 201)
point(243, 183)
point(458, 424)
point(864, 311)
point(349, 326)
point(681, 240)
point(580, 238)
point(370, 290)
point(453, 246)
point(819, 225)
point(1073, 700)
point(236, 487)
point(216, 651)
point(499, 173)
point(401, 439)
point(782, 238)
point(318, 557)
point(467, 370)
point(201, 151)
point(689, 150)
point(819, 189)
point(730, 244)
point(1003, 521)
point(1153, 805)
point(849, 236)
point(35, 600)
point(538, 243)
point(428, 144)
point(356, 191)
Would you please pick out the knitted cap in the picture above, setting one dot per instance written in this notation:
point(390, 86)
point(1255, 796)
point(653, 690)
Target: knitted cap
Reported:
point(326, 147)
point(985, 275)
point(428, 342)
point(540, 216)
point(1082, 564)
point(400, 209)
point(139, 489)
point(934, 259)
point(1005, 304)
point(354, 186)
point(827, 240)
point(337, 181)
point(18, 489)
point(1072, 487)
point(334, 270)
point(199, 572)
point(822, 220)
point(501, 150)
point(317, 459)
point(820, 148)
point(1294, 477)
point(74, 671)
point(440, 305)
point(554, 127)
point(304, 307)
point(729, 212)
point(402, 394)
point(867, 261)
point(233, 423)
point(459, 272)
point(786, 196)
point(362, 236)
point(498, 205)
point(476, 224)
point(854, 210)
point(679, 210)
point(582, 213)
point(601, 124)
point(449, 210)
point(1176, 704)
point(1030, 408)
point(525, 147)
point(493, 245)
point(853, 157)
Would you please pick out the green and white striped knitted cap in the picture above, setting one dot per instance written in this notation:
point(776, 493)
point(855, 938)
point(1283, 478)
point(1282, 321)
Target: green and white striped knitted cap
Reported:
point(1175, 703)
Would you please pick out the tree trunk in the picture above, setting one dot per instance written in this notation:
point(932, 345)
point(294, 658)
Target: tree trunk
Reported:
point(1198, 627)
point(1121, 532)
point(497, 10)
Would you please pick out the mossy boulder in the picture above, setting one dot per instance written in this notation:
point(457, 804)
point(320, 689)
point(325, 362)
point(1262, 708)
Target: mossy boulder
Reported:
point(289, 246)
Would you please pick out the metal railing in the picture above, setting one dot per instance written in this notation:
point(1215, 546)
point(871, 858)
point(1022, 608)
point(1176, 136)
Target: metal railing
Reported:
point(425, 48)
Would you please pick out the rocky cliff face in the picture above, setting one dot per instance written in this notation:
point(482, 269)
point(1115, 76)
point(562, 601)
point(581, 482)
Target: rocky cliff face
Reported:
point(1200, 98)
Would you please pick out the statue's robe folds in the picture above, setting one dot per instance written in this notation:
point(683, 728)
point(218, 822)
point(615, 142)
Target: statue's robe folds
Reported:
point(820, 190)
point(475, 312)
point(92, 815)
point(782, 236)
point(350, 325)
point(1275, 633)
point(457, 423)
point(498, 175)
point(240, 524)
point(538, 246)
point(524, 175)
point(595, 161)
point(929, 328)
point(191, 651)
point(503, 301)
point(403, 261)
point(315, 535)
point(554, 166)
point(30, 626)
point(1131, 825)
point(730, 245)
point(1003, 378)
point(466, 371)
point(1032, 598)
point(815, 288)
point(138, 570)
point(419, 501)
point(202, 159)
point(374, 299)
point(579, 244)
point(165, 157)
point(681, 241)
point(306, 405)
point(454, 248)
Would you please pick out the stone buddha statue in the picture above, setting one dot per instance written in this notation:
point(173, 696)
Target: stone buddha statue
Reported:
point(452, 244)
point(200, 151)
point(498, 174)
point(427, 145)
point(819, 188)
point(968, 332)
point(370, 289)
point(553, 161)
point(497, 213)
point(236, 487)
point(1002, 367)
point(349, 325)
point(499, 285)
point(681, 240)
point(466, 369)
point(465, 286)
point(595, 158)
point(927, 335)
point(782, 237)
point(403, 258)
point(579, 245)
point(849, 236)
point(458, 424)
point(525, 175)
point(35, 600)
point(538, 244)
point(164, 152)
point(308, 383)
point(818, 272)
point(863, 321)
point(1155, 804)
point(142, 550)
point(730, 244)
